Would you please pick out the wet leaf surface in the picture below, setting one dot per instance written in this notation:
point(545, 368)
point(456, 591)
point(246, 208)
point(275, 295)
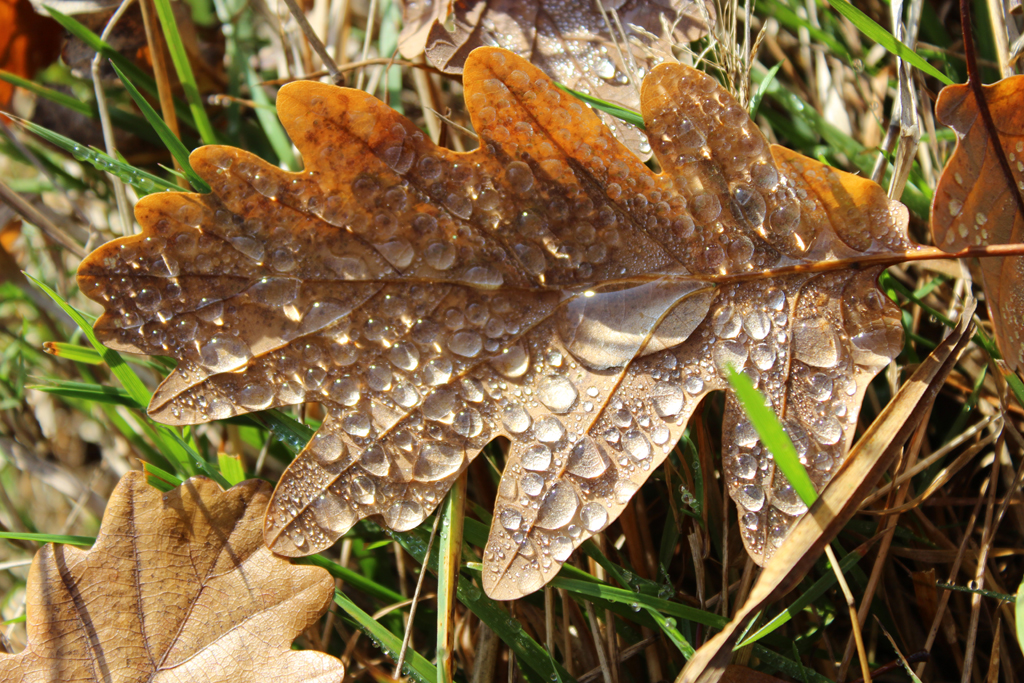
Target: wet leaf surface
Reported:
point(178, 587)
point(547, 287)
point(976, 204)
point(874, 453)
point(572, 41)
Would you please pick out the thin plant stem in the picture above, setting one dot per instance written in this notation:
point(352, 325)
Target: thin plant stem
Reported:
point(315, 42)
point(370, 16)
point(415, 599)
point(854, 621)
point(108, 130)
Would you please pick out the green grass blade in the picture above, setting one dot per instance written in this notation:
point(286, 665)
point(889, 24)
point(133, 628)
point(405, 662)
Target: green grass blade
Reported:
point(787, 17)
point(528, 652)
point(755, 101)
point(452, 515)
point(269, 122)
point(819, 588)
point(159, 477)
point(168, 442)
point(868, 27)
point(773, 436)
point(231, 468)
point(416, 665)
point(63, 99)
point(167, 136)
point(184, 69)
point(77, 353)
point(138, 76)
point(129, 380)
point(96, 393)
point(628, 115)
point(640, 600)
point(118, 117)
point(292, 433)
point(48, 538)
point(383, 594)
point(143, 181)
point(197, 463)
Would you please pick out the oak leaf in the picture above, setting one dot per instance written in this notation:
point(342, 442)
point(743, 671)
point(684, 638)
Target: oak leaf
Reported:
point(572, 41)
point(976, 203)
point(547, 287)
point(178, 587)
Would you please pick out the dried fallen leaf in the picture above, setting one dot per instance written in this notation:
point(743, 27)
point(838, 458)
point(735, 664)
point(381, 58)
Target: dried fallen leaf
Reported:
point(976, 204)
point(572, 41)
point(28, 42)
point(840, 500)
point(547, 287)
point(178, 587)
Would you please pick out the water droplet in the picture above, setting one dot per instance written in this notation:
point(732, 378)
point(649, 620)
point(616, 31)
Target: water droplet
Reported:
point(667, 399)
point(357, 425)
point(437, 371)
point(224, 353)
point(256, 397)
point(745, 466)
point(587, 460)
point(378, 377)
point(512, 362)
point(510, 519)
point(557, 393)
point(623, 491)
point(465, 343)
point(248, 246)
point(375, 461)
point(729, 353)
point(636, 444)
point(827, 430)
point(693, 385)
point(537, 458)
point(147, 299)
point(328, 447)
point(404, 356)
point(750, 497)
point(484, 277)
point(594, 517)
point(814, 343)
point(763, 356)
point(515, 418)
point(344, 391)
point(440, 255)
point(549, 430)
point(757, 324)
point(558, 508)
point(439, 405)
point(519, 177)
point(364, 491)
point(787, 500)
point(531, 483)
point(437, 461)
point(468, 423)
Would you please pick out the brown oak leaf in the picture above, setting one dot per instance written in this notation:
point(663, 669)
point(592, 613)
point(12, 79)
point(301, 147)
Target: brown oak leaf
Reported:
point(178, 587)
point(547, 287)
point(976, 204)
point(572, 41)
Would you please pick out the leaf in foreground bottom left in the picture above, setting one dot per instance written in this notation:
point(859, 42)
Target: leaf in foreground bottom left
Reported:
point(179, 586)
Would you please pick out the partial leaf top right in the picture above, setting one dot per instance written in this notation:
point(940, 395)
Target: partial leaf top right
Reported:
point(975, 204)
